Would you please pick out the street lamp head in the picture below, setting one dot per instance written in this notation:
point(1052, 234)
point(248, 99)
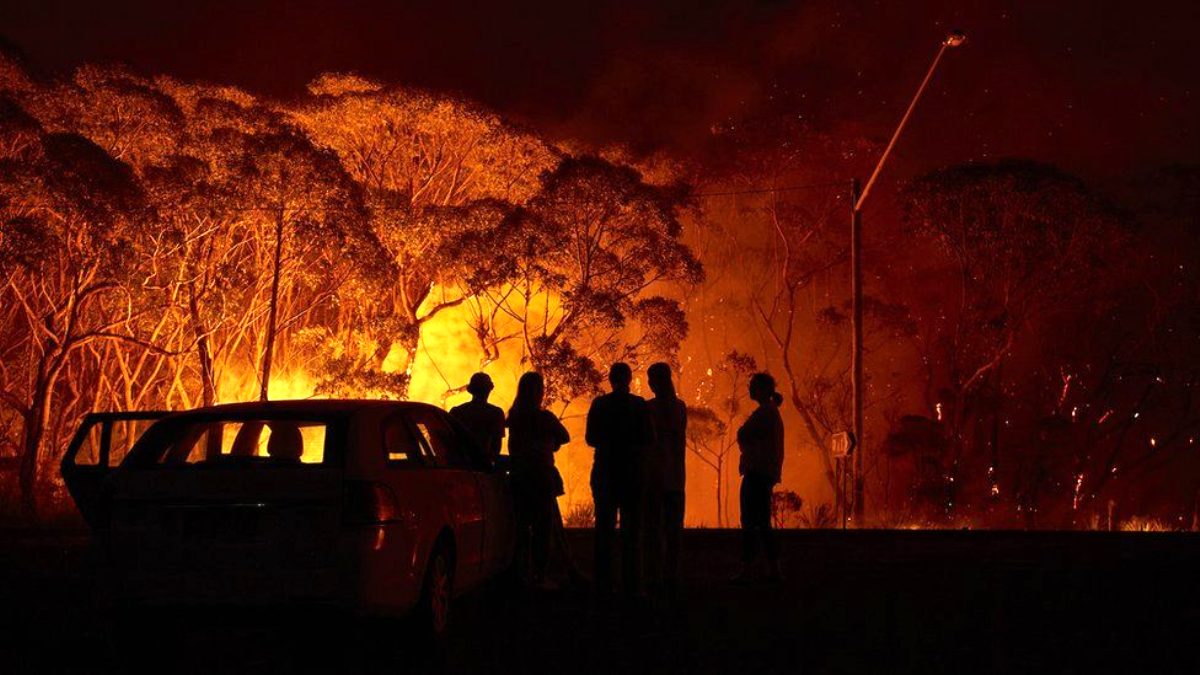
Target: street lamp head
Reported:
point(955, 38)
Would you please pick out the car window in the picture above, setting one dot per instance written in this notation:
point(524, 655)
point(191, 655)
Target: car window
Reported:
point(398, 442)
point(122, 435)
point(89, 451)
point(440, 439)
point(274, 441)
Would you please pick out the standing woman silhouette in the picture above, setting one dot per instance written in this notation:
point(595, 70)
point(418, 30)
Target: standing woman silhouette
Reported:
point(535, 434)
point(760, 440)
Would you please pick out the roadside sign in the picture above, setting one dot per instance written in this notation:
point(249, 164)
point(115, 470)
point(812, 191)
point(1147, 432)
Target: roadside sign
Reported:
point(843, 444)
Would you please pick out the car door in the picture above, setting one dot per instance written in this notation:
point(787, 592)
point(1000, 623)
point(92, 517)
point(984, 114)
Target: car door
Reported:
point(454, 474)
point(404, 540)
point(98, 447)
point(499, 529)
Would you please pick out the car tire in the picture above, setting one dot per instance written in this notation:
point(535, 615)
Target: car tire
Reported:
point(437, 593)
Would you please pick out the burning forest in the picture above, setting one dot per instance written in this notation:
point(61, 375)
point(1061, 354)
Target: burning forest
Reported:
point(1030, 338)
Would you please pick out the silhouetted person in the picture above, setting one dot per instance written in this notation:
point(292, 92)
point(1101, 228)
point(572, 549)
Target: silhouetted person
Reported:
point(286, 443)
point(535, 434)
point(665, 478)
point(760, 440)
point(484, 420)
point(618, 427)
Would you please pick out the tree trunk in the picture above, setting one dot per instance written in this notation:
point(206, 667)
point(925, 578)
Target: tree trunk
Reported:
point(412, 362)
point(720, 510)
point(410, 341)
point(273, 309)
point(208, 388)
point(35, 421)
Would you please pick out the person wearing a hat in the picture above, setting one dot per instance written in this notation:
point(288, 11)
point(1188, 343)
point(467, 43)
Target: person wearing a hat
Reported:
point(484, 420)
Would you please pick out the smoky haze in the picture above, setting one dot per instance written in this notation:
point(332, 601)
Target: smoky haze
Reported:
point(1038, 80)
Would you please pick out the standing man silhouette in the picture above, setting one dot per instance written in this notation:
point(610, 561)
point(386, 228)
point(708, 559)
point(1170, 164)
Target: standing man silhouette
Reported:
point(484, 420)
point(665, 478)
point(760, 440)
point(618, 427)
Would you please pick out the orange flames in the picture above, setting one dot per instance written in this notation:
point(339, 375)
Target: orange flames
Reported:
point(448, 354)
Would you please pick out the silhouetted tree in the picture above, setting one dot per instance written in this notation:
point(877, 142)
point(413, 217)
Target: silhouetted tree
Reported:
point(706, 439)
point(789, 250)
point(721, 393)
point(1024, 240)
point(65, 256)
point(437, 175)
point(590, 250)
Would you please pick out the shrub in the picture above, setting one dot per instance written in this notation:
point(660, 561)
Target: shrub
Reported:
point(581, 515)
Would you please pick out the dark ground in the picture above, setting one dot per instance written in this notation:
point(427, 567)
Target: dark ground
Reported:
point(853, 602)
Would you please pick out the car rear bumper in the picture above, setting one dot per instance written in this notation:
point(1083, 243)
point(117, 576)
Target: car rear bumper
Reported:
point(356, 574)
point(241, 587)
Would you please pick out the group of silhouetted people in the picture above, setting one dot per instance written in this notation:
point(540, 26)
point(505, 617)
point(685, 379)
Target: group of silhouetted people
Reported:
point(638, 475)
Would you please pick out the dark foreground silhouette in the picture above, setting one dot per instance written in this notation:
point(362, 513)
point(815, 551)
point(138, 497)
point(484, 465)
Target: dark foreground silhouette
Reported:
point(852, 602)
point(619, 429)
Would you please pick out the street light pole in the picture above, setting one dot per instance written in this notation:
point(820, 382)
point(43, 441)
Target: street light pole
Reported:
point(954, 39)
point(856, 352)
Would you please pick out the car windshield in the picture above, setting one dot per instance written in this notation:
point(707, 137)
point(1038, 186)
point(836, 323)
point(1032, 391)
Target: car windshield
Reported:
point(250, 442)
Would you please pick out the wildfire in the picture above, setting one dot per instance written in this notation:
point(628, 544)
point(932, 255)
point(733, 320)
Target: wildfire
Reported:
point(447, 355)
point(366, 240)
point(243, 385)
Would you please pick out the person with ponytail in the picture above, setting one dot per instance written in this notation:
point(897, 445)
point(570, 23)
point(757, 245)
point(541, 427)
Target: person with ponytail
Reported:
point(760, 440)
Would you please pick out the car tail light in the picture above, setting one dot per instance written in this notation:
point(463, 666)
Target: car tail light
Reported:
point(369, 503)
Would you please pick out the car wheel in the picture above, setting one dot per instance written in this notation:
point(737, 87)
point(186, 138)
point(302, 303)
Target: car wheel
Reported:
point(437, 593)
